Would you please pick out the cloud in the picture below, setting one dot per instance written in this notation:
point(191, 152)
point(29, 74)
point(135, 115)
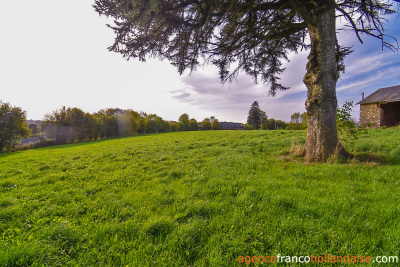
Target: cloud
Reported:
point(207, 90)
point(362, 83)
point(369, 72)
point(181, 96)
point(363, 64)
point(181, 93)
point(231, 101)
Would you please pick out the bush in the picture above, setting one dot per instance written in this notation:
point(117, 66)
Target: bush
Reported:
point(347, 128)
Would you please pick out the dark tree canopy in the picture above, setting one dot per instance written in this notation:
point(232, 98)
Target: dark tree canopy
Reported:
point(255, 35)
point(256, 116)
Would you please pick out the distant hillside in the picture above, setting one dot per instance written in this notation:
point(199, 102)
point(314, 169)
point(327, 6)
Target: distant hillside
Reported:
point(37, 122)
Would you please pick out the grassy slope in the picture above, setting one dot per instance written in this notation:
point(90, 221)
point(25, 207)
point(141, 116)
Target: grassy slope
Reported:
point(195, 198)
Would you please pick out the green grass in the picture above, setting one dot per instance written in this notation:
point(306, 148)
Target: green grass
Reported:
point(197, 199)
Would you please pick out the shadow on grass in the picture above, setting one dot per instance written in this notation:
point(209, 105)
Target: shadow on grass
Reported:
point(81, 144)
point(364, 158)
point(55, 146)
point(6, 154)
point(369, 158)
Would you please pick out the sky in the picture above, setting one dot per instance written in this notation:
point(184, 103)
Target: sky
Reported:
point(53, 53)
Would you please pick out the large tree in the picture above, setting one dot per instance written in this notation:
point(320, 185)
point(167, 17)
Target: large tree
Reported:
point(253, 36)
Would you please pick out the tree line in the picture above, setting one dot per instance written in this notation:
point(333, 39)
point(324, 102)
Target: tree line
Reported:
point(69, 125)
point(258, 120)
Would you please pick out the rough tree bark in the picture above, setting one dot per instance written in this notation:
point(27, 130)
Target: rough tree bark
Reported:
point(320, 79)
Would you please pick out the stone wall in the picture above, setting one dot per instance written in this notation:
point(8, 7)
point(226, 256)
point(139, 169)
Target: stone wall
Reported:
point(371, 114)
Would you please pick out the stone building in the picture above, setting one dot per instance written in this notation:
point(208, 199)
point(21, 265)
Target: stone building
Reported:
point(231, 125)
point(381, 108)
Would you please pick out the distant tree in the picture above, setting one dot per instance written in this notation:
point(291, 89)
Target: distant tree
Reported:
point(184, 122)
point(256, 116)
point(58, 126)
point(142, 123)
point(206, 124)
point(194, 126)
point(118, 122)
point(107, 123)
point(12, 126)
point(34, 128)
point(280, 125)
point(248, 126)
point(254, 37)
point(296, 121)
point(295, 118)
point(304, 120)
point(175, 126)
point(156, 124)
point(264, 121)
point(77, 121)
point(273, 124)
point(215, 125)
point(184, 118)
point(124, 124)
point(135, 121)
point(92, 127)
point(151, 124)
point(68, 125)
point(162, 125)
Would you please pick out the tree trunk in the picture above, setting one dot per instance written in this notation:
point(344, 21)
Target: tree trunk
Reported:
point(320, 79)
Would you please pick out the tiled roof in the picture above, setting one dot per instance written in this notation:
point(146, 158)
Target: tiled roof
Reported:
point(387, 94)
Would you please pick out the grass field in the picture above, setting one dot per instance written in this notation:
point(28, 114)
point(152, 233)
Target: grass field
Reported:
point(197, 199)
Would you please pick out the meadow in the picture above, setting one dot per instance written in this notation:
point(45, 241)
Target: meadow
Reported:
point(198, 199)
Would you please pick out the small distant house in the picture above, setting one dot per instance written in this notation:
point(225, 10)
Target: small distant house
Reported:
point(231, 125)
point(381, 108)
